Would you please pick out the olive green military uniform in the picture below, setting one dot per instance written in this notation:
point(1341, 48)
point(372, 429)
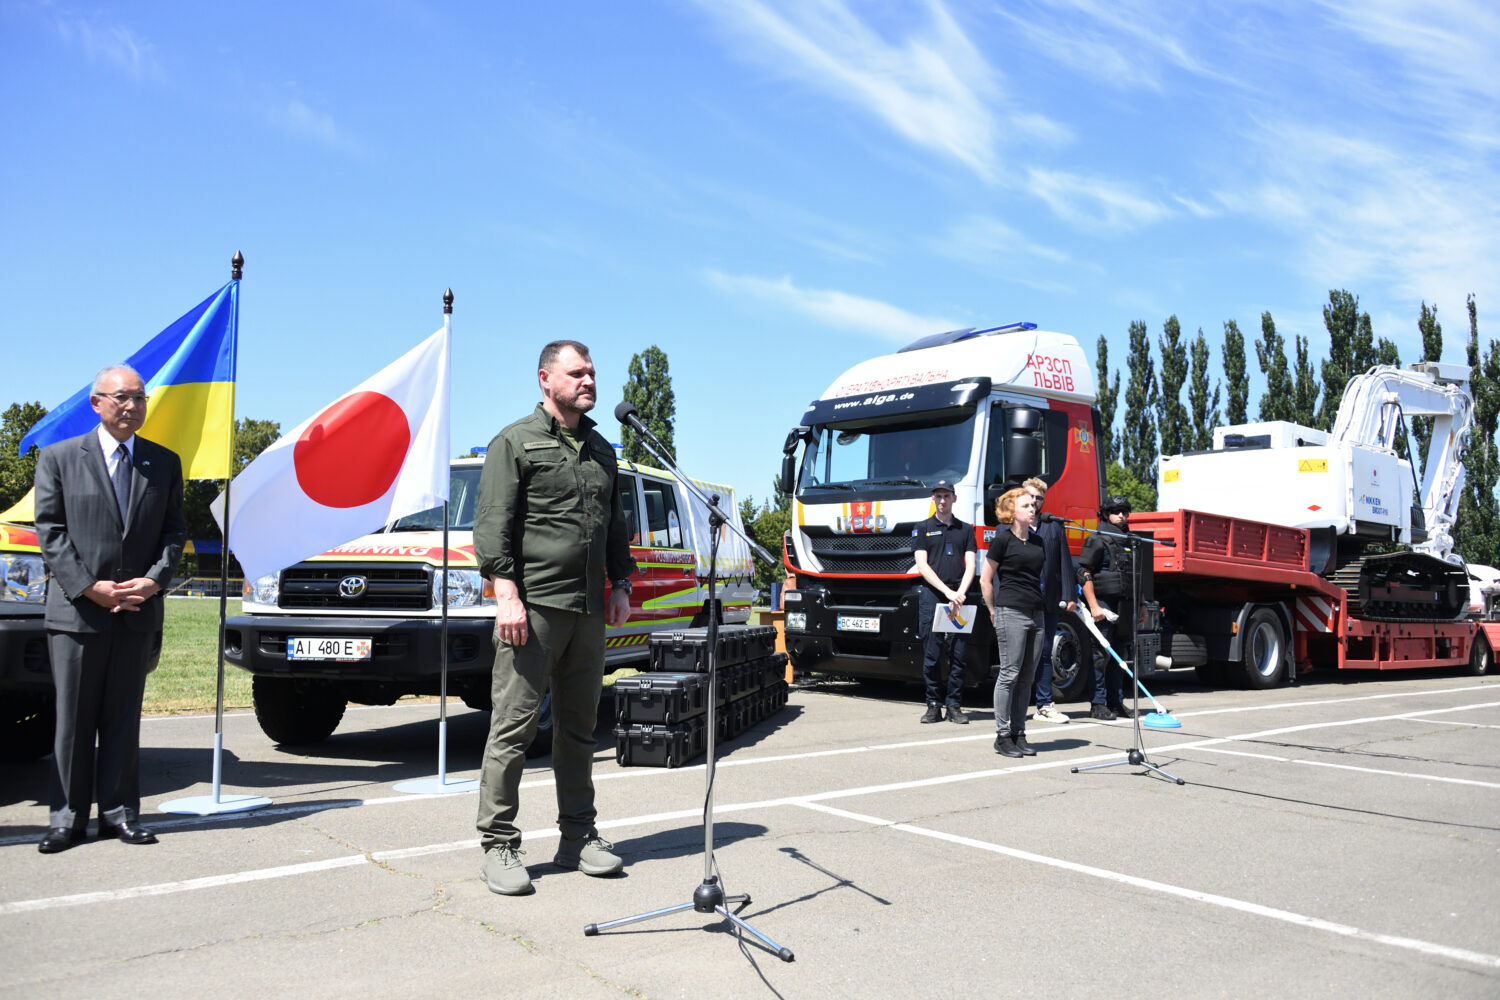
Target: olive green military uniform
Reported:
point(550, 520)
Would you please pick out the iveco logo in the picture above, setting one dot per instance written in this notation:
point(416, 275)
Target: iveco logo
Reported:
point(351, 587)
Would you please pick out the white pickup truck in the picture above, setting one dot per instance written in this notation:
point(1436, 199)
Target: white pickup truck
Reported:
point(362, 622)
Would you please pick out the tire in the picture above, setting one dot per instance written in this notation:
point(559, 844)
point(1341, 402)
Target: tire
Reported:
point(541, 743)
point(27, 726)
point(1480, 656)
point(1072, 662)
point(293, 711)
point(1262, 650)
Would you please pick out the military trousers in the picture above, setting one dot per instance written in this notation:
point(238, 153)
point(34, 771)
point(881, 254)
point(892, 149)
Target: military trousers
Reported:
point(563, 654)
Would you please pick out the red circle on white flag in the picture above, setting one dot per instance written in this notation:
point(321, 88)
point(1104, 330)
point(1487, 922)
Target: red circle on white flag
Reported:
point(352, 452)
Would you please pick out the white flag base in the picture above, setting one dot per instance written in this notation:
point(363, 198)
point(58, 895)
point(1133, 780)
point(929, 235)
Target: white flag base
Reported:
point(442, 784)
point(211, 805)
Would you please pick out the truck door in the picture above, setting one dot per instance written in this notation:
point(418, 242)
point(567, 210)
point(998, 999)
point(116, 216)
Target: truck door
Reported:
point(671, 591)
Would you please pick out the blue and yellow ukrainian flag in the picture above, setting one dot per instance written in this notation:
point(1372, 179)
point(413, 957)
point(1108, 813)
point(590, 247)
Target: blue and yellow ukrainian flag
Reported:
point(189, 371)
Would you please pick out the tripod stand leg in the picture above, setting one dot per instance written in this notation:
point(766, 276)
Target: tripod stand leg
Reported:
point(593, 929)
point(785, 954)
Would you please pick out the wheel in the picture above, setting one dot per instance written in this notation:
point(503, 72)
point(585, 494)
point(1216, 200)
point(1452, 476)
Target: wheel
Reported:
point(1262, 649)
point(295, 711)
point(1480, 656)
point(1072, 663)
point(541, 743)
point(27, 726)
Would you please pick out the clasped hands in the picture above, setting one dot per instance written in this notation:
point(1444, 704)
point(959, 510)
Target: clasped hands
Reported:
point(128, 595)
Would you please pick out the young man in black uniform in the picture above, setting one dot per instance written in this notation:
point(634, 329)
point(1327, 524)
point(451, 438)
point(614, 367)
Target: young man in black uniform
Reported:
point(1104, 570)
point(944, 550)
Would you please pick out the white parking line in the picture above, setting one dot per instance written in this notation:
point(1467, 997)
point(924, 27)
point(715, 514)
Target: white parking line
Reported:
point(1150, 885)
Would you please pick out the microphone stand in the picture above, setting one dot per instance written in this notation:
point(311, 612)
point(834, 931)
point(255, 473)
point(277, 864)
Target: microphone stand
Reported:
point(1136, 755)
point(709, 896)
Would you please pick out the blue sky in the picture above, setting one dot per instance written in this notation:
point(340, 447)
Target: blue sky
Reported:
point(769, 191)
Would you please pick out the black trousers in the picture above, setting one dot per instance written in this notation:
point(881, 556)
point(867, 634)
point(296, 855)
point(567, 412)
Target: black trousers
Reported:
point(100, 679)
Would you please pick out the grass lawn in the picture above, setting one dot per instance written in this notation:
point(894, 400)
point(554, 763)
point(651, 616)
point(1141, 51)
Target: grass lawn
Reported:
point(186, 678)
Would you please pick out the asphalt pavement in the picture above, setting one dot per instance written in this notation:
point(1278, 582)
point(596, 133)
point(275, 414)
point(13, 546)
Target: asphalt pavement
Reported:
point(1340, 838)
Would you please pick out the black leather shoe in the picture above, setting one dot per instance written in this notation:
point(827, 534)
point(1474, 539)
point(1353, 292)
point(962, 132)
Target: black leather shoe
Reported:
point(1101, 712)
point(1006, 746)
point(1020, 741)
point(956, 714)
point(933, 714)
point(58, 839)
point(1122, 711)
point(129, 832)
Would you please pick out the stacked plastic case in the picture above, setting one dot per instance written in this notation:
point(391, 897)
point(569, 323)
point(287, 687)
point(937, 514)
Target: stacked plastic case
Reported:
point(660, 716)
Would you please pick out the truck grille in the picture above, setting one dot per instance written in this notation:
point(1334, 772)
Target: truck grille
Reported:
point(886, 555)
point(387, 588)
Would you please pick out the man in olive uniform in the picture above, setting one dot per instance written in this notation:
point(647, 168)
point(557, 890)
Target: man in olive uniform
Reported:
point(943, 548)
point(549, 531)
point(1105, 572)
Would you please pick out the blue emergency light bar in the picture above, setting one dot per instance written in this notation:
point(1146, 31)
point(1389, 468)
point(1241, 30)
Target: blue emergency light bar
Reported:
point(954, 336)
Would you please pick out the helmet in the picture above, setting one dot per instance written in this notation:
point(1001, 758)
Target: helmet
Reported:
point(1115, 503)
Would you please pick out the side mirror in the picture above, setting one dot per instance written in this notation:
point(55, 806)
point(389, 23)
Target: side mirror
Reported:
point(788, 478)
point(991, 494)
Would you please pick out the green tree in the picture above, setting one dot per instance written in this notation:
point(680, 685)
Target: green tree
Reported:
point(1477, 531)
point(1108, 396)
point(1203, 405)
point(767, 524)
point(1304, 387)
point(251, 437)
point(17, 470)
point(1351, 350)
point(1119, 480)
point(649, 390)
point(1279, 401)
point(1171, 415)
point(1138, 434)
point(1432, 350)
point(1236, 386)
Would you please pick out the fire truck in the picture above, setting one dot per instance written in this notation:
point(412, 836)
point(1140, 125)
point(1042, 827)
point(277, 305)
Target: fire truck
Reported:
point(1272, 565)
point(363, 622)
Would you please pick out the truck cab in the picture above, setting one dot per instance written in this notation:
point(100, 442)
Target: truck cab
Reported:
point(27, 698)
point(363, 622)
point(983, 409)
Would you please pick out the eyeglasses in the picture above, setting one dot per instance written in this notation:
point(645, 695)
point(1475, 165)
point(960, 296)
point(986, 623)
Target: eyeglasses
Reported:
point(121, 398)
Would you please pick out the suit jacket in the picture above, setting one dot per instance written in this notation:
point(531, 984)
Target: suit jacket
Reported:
point(82, 538)
point(1057, 572)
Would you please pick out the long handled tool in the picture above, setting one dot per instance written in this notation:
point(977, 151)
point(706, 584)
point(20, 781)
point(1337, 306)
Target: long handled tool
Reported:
point(1159, 719)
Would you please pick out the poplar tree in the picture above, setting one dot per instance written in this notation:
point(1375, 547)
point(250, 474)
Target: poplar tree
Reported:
point(1108, 394)
point(1477, 531)
point(1171, 415)
point(1304, 387)
point(1279, 401)
point(649, 390)
point(1203, 406)
point(1432, 350)
point(17, 470)
point(1236, 385)
point(1138, 433)
point(1351, 350)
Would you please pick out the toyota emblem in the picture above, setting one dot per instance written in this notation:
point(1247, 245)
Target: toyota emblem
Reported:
point(351, 587)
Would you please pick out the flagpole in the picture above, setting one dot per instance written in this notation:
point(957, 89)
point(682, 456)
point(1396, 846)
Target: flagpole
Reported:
point(208, 805)
point(441, 785)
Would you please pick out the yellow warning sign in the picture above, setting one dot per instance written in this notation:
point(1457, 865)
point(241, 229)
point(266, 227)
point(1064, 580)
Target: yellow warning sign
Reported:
point(1170, 476)
point(1312, 465)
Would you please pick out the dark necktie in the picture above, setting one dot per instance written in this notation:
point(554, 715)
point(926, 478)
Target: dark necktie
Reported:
point(121, 479)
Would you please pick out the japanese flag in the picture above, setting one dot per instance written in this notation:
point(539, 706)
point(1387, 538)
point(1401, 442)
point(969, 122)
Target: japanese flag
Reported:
point(375, 454)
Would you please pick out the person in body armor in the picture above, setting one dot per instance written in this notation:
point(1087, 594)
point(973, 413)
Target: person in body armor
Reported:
point(943, 549)
point(1105, 573)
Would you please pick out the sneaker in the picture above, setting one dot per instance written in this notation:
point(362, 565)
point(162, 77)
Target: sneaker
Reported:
point(1049, 713)
point(1101, 712)
point(592, 855)
point(956, 714)
point(504, 873)
point(1122, 712)
point(1020, 741)
point(1006, 746)
point(934, 714)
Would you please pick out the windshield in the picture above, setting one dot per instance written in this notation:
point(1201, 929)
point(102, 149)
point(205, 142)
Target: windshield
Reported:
point(896, 454)
point(463, 499)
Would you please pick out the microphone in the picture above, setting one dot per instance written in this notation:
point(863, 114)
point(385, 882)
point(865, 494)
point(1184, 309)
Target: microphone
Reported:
point(625, 413)
point(1052, 519)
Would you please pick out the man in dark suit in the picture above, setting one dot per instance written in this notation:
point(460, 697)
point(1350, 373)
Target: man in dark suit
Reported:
point(109, 523)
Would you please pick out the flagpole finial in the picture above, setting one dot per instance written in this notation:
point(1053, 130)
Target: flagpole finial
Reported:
point(237, 266)
point(448, 302)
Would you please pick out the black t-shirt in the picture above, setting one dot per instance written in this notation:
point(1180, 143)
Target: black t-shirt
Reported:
point(945, 545)
point(1018, 569)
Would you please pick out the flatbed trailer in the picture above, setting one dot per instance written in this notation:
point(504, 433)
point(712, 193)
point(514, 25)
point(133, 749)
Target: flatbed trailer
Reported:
point(1239, 597)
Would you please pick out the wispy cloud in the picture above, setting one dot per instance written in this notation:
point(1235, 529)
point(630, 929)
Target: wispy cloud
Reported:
point(834, 308)
point(1094, 202)
point(296, 119)
point(933, 87)
point(113, 44)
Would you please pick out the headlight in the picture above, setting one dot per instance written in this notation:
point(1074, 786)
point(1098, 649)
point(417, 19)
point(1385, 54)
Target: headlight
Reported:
point(466, 589)
point(23, 577)
point(266, 590)
point(796, 621)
